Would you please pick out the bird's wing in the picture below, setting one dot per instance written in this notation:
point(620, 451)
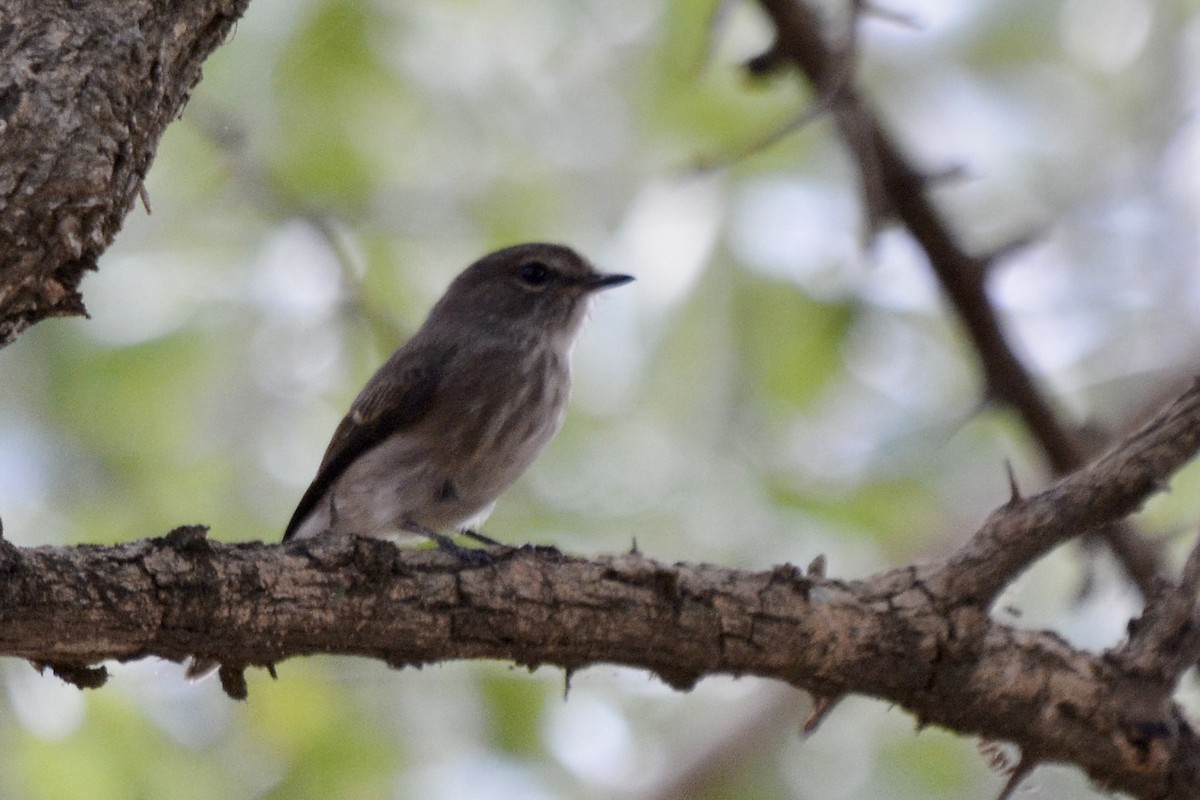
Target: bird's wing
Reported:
point(395, 398)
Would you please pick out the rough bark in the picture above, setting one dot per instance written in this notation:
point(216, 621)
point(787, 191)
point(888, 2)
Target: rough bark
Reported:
point(86, 91)
point(920, 637)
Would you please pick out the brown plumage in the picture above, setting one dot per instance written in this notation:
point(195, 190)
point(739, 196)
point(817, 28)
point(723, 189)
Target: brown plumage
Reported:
point(463, 408)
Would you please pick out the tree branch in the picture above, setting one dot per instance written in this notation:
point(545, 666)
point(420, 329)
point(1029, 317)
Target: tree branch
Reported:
point(918, 637)
point(84, 100)
point(1110, 488)
point(893, 187)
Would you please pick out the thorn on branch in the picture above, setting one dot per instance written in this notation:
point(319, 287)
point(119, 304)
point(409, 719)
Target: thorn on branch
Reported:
point(1014, 496)
point(822, 707)
point(767, 63)
point(835, 88)
point(233, 682)
point(679, 680)
point(188, 539)
point(808, 115)
point(1019, 773)
point(80, 676)
point(1011, 248)
point(402, 663)
point(199, 669)
point(144, 196)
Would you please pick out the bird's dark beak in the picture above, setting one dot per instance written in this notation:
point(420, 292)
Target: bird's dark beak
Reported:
point(595, 283)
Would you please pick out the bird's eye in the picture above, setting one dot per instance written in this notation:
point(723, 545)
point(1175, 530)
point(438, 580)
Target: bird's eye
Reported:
point(535, 273)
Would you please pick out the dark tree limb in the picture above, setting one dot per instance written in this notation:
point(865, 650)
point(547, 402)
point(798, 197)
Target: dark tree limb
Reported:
point(919, 637)
point(85, 95)
point(893, 187)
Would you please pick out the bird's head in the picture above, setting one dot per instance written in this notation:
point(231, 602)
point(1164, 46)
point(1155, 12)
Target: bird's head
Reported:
point(534, 289)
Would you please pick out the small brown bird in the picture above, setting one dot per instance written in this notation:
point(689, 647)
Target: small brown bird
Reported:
point(460, 411)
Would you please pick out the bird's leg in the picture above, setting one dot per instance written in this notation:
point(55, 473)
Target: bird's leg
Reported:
point(479, 537)
point(468, 555)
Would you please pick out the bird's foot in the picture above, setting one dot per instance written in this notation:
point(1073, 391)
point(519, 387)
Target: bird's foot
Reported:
point(467, 555)
point(479, 537)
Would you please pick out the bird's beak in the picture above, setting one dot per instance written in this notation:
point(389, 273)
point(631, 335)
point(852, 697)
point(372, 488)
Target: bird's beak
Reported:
point(594, 283)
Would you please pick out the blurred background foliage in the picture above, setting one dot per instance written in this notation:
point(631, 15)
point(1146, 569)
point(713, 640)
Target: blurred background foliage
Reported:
point(772, 387)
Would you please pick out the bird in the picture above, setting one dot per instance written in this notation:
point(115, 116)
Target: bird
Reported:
point(458, 413)
point(462, 409)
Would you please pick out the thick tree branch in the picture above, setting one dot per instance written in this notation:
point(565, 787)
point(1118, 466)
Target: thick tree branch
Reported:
point(918, 637)
point(84, 100)
point(255, 604)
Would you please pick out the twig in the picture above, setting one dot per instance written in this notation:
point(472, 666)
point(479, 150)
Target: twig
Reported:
point(892, 186)
point(1115, 485)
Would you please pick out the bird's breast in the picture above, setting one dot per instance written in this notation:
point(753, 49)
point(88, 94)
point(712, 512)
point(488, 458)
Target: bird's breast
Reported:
point(507, 419)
